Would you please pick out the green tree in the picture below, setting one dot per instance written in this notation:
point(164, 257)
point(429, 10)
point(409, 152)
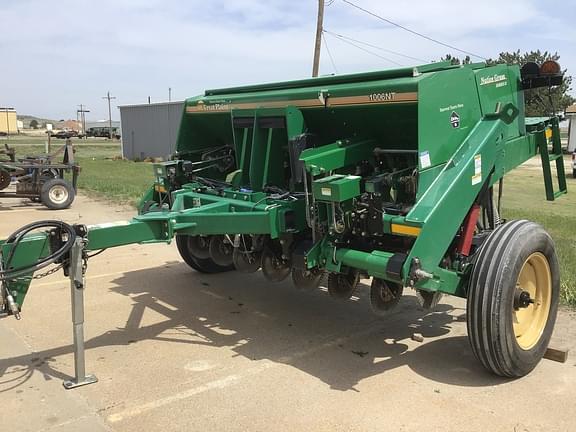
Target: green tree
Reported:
point(537, 102)
point(34, 124)
point(542, 101)
point(455, 60)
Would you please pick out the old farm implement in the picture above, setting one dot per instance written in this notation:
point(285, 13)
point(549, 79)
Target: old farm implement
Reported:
point(40, 178)
point(391, 175)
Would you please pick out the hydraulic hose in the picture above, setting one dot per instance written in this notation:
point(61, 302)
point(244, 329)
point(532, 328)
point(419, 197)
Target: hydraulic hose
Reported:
point(7, 273)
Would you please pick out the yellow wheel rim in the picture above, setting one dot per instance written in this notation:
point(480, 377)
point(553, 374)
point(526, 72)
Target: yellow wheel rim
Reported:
point(529, 322)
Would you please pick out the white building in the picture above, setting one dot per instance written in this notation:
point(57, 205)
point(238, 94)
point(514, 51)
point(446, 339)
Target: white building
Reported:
point(571, 116)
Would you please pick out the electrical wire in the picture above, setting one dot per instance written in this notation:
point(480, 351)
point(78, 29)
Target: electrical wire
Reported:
point(368, 51)
point(95, 253)
point(410, 30)
point(328, 51)
point(375, 46)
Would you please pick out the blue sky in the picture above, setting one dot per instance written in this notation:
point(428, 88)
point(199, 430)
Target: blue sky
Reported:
point(58, 54)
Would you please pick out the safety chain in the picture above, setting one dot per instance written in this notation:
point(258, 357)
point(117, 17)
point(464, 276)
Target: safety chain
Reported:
point(49, 272)
point(65, 263)
point(84, 262)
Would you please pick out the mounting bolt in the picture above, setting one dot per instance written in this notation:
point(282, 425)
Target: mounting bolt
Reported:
point(421, 274)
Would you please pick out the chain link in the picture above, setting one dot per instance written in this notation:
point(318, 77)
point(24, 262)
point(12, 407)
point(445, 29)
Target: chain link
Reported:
point(84, 256)
point(60, 266)
point(49, 272)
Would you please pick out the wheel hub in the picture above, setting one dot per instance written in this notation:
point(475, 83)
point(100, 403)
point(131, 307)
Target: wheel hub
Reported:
point(58, 194)
point(522, 299)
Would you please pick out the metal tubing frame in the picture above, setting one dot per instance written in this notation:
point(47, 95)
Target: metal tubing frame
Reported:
point(77, 286)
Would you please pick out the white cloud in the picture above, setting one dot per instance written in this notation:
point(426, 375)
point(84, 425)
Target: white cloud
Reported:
point(60, 54)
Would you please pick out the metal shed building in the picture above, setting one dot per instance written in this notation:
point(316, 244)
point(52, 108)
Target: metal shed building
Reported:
point(150, 130)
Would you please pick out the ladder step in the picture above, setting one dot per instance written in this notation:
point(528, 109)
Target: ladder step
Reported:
point(559, 193)
point(552, 157)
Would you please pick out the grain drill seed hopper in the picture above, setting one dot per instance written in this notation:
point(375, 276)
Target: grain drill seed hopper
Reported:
point(389, 175)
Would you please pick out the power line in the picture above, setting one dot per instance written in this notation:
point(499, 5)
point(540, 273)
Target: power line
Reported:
point(411, 31)
point(329, 53)
point(376, 47)
point(367, 51)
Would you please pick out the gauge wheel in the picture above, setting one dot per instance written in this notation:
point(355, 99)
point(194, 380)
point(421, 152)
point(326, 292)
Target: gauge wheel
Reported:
point(57, 194)
point(513, 298)
point(4, 179)
point(199, 246)
point(221, 250)
point(202, 265)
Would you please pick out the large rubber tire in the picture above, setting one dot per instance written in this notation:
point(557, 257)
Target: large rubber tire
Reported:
point(519, 255)
point(201, 265)
point(57, 194)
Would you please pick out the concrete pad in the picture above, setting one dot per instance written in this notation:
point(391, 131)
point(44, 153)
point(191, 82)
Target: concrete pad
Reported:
point(34, 396)
point(178, 350)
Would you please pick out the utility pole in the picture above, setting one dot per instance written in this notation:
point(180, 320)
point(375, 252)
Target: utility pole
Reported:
point(109, 112)
point(82, 111)
point(169, 94)
point(318, 44)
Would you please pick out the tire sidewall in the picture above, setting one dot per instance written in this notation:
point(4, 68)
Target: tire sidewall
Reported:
point(45, 194)
point(529, 239)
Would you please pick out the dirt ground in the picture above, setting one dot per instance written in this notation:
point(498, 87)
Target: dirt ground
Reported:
point(176, 350)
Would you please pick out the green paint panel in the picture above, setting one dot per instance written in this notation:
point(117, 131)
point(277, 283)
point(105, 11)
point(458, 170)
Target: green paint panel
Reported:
point(336, 188)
